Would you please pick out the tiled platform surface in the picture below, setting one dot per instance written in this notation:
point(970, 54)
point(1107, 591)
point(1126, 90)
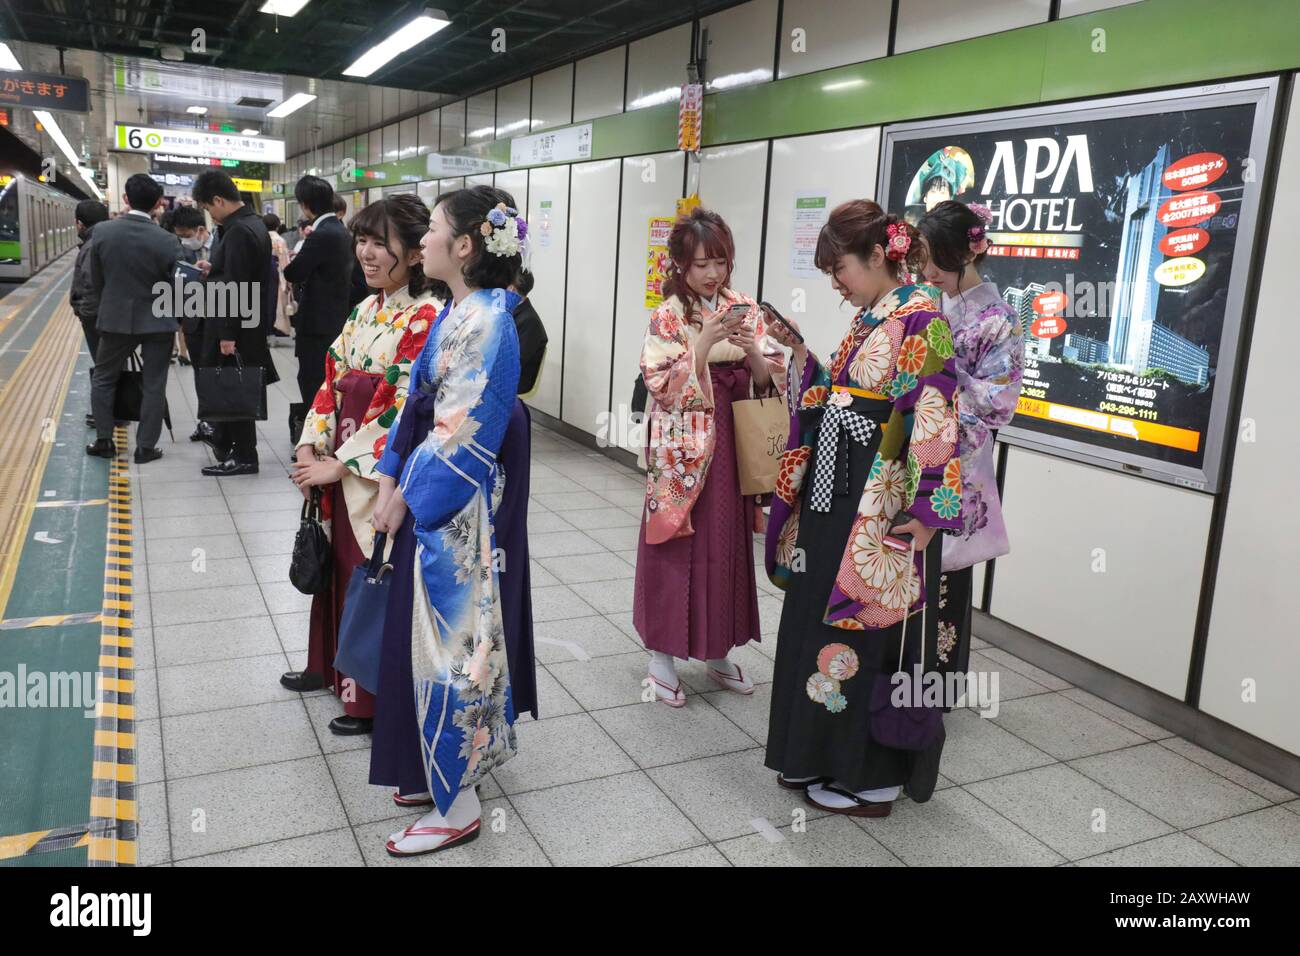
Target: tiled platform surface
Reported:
point(236, 770)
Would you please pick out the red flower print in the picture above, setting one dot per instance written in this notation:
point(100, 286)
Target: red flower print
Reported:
point(378, 448)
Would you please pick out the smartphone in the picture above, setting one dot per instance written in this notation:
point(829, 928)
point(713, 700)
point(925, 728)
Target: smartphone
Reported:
point(794, 333)
point(735, 316)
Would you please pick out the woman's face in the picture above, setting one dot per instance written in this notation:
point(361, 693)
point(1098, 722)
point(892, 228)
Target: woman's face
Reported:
point(438, 246)
point(943, 281)
point(705, 275)
point(382, 269)
point(855, 280)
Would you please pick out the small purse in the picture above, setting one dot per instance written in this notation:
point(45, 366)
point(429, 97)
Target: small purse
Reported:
point(313, 557)
point(361, 629)
point(912, 726)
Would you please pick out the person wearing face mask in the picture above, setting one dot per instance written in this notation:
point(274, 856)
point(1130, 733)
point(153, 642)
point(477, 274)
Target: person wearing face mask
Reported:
point(695, 592)
point(990, 354)
point(367, 369)
point(191, 228)
point(872, 459)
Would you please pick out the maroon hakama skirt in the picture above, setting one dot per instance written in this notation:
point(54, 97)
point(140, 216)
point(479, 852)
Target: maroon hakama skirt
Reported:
point(696, 596)
point(327, 607)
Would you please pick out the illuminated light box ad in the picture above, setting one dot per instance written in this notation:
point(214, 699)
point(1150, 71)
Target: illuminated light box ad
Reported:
point(1122, 234)
point(195, 142)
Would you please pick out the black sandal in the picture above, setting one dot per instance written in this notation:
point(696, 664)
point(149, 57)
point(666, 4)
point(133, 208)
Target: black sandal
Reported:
point(863, 808)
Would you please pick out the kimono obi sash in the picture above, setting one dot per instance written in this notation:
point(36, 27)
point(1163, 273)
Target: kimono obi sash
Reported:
point(850, 414)
point(417, 410)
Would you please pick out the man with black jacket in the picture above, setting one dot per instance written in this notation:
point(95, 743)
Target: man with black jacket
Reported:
point(128, 259)
point(239, 259)
point(322, 273)
point(89, 212)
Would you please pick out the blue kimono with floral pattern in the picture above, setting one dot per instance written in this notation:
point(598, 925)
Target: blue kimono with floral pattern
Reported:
point(464, 381)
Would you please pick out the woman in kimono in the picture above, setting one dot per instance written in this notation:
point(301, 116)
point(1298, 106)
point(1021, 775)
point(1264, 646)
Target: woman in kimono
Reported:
point(366, 374)
point(990, 355)
point(872, 455)
point(511, 518)
point(695, 594)
point(445, 712)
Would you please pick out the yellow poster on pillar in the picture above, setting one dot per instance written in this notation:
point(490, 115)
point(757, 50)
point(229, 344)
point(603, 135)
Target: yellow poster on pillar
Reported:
point(656, 263)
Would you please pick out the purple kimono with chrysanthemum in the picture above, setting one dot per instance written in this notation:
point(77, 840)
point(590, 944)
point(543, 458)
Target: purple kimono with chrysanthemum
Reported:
point(900, 349)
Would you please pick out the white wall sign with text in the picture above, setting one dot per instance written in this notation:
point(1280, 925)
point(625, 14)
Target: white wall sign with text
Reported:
point(560, 146)
point(197, 142)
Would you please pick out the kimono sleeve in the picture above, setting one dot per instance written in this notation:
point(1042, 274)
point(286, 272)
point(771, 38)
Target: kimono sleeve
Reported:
point(321, 423)
point(668, 363)
point(988, 392)
point(362, 450)
point(479, 363)
point(924, 421)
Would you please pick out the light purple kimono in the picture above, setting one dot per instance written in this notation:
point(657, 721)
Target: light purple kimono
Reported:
point(990, 357)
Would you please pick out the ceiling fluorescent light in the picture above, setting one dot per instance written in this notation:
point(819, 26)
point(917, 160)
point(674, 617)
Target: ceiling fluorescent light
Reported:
point(7, 59)
point(197, 110)
point(56, 134)
point(283, 8)
point(295, 102)
point(401, 40)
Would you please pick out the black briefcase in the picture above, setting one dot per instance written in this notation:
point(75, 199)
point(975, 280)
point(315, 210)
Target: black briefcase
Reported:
point(128, 400)
point(231, 393)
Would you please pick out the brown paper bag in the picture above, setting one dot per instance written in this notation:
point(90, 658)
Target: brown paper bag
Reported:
point(762, 429)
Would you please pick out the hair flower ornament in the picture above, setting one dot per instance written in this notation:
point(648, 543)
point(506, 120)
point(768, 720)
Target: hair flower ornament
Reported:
point(503, 231)
point(977, 236)
point(899, 241)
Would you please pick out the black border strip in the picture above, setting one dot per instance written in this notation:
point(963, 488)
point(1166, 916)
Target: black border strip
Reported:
point(1245, 336)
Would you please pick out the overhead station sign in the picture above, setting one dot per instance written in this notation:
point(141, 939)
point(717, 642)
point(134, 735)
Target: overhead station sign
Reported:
point(196, 142)
point(44, 91)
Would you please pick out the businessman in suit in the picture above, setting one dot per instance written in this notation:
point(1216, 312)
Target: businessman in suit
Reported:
point(128, 257)
point(322, 273)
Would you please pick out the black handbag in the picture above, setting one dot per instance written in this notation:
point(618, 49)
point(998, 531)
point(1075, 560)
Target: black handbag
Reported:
point(313, 558)
point(128, 399)
point(231, 393)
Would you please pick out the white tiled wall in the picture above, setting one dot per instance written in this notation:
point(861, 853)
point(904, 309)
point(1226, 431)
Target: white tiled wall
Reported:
point(589, 330)
point(741, 45)
point(731, 184)
point(512, 109)
point(480, 117)
point(925, 23)
point(1072, 8)
point(453, 126)
point(553, 98)
point(834, 33)
point(599, 87)
point(656, 67)
point(548, 220)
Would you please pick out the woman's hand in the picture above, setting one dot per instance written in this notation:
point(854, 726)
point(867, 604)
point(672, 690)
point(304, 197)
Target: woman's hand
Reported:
point(781, 334)
point(390, 510)
point(742, 337)
point(920, 533)
point(325, 471)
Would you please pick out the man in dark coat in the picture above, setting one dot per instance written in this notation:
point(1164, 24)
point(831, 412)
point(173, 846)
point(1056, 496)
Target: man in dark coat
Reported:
point(128, 270)
point(89, 213)
point(240, 258)
point(321, 273)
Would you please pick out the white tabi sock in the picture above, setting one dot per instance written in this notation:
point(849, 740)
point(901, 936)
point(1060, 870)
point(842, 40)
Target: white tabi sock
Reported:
point(663, 667)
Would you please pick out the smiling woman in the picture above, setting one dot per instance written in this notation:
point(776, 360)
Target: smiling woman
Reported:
point(367, 370)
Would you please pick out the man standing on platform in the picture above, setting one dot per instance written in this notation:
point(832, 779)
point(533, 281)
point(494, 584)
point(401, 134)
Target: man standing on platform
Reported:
point(127, 258)
point(242, 251)
point(322, 275)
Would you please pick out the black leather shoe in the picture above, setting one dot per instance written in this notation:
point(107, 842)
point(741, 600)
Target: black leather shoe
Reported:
point(102, 448)
point(301, 681)
point(144, 455)
point(202, 432)
point(346, 726)
point(230, 468)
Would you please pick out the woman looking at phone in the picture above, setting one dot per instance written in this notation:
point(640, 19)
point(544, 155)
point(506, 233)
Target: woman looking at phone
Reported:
point(696, 595)
point(871, 469)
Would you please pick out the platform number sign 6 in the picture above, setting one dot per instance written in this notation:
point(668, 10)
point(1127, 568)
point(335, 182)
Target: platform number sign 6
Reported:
point(137, 138)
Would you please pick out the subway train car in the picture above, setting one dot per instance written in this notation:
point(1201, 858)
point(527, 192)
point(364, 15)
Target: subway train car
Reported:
point(37, 225)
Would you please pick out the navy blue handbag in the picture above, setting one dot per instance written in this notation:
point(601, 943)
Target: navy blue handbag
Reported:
point(361, 629)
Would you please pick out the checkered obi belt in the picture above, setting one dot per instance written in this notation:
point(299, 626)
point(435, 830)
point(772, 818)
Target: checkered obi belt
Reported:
point(850, 414)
